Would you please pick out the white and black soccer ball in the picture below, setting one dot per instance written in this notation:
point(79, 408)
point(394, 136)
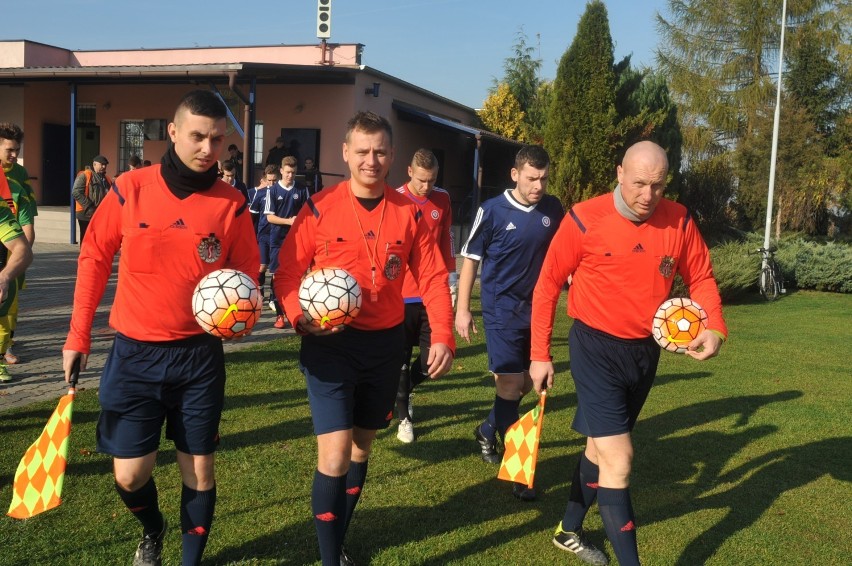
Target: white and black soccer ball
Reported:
point(226, 303)
point(678, 322)
point(330, 297)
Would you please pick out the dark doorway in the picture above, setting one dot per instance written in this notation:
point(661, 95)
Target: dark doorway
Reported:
point(55, 165)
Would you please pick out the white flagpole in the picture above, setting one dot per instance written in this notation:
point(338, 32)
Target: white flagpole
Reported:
point(775, 134)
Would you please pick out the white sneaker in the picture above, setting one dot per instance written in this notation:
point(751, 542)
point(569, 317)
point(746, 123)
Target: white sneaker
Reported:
point(272, 306)
point(406, 431)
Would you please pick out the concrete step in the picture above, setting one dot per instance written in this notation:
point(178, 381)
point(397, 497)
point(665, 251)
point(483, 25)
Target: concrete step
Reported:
point(53, 225)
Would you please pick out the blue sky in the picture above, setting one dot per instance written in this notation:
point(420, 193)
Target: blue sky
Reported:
point(454, 48)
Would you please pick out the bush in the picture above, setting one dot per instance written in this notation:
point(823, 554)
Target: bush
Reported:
point(736, 271)
point(805, 264)
point(823, 267)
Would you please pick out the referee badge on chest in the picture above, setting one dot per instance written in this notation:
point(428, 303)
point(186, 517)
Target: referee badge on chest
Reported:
point(393, 267)
point(667, 266)
point(210, 249)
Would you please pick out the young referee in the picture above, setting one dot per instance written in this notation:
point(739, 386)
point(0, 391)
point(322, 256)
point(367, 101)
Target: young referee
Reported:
point(367, 228)
point(174, 223)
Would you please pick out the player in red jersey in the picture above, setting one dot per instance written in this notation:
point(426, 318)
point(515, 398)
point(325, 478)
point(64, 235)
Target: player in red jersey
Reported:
point(622, 250)
point(365, 227)
point(435, 206)
point(174, 224)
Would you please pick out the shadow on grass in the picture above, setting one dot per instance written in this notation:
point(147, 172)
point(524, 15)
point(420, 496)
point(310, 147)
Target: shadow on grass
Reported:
point(771, 475)
point(673, 473)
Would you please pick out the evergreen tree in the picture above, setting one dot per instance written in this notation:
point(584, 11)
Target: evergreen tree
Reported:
point(581, 120)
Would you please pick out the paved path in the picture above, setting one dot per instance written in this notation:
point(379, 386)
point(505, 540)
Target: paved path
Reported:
point(45, 313)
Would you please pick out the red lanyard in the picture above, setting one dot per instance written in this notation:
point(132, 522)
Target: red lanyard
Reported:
point(372, 254)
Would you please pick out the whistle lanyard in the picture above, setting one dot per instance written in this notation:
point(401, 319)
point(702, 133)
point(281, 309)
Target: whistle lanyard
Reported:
point(374, 253)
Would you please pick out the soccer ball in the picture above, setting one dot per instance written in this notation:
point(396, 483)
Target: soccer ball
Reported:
point(330, 297)
point(677, 323)
point(226, 303)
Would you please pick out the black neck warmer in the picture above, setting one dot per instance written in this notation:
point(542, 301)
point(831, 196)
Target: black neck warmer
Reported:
point(183, 181)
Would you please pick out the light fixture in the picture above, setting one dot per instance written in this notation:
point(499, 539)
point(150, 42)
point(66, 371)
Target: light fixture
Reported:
point(374, 91)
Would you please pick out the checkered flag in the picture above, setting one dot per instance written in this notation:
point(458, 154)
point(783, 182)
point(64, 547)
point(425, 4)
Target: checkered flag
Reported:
point(521, 446)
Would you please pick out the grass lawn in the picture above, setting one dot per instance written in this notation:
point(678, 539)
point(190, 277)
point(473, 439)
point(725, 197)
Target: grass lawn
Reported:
point(745, 459)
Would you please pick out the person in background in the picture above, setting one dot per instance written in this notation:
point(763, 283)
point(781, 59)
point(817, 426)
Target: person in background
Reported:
point(313, 177)
point(90, 188)
point(277, 152)
point(435, 205)
point(229, 175)
point(257, 202)
point(284, 199)
point(22, 202)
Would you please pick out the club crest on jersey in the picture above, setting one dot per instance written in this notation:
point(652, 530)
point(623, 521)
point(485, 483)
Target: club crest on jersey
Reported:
point(667, 266)
point(435, 214)
point(393, 267)
point(546, 221)
point(210, 249)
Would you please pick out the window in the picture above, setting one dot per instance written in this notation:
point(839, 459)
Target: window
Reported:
point(131, 136)
point(258, 144)
point(87, 114)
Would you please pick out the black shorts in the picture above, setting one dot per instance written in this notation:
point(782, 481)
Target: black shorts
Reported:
point(352, 377)
point(508, 349)
point(146, 383)
point(417, 333)
point(612, 376)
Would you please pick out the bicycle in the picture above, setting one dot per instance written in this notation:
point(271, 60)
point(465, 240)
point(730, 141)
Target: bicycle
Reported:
point(771, 280)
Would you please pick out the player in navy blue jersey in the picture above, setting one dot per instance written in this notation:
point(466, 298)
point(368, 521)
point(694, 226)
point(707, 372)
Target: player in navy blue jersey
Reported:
point(510, 237)
point(284, 199)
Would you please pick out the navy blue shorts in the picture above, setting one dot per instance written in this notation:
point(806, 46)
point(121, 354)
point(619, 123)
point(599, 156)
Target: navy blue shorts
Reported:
point(417, 333)
point(508, 349)
point(352, 377)
point(269, 248)
point(612, 376)
point(146, 383)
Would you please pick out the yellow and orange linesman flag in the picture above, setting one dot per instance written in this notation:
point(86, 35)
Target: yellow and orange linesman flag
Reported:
point(521, 446)
point(41, 472)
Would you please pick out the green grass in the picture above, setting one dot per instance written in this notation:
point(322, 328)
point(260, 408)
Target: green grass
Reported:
point(744, 459)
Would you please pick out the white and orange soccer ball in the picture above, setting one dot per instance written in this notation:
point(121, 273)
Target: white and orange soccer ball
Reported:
point(226, 303)
point(330, 297)
point(677, 323)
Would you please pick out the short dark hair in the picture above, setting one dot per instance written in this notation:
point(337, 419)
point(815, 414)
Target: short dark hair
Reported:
point(369, 122)
point(134, 161)
point(10, 131)
point(535, 155)
point(202, 103)
point(228, 166)
point(271, 170)
point(232, 146)
point(425, 159)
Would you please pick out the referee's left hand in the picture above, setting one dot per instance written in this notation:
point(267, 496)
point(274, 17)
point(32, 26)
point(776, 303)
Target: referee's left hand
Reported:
point(440, 360)
point(705, 346)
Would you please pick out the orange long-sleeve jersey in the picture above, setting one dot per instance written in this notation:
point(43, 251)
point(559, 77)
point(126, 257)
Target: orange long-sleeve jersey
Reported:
point(621, 272)
point(327, 233)
point(167, 245)
point(438, 215)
